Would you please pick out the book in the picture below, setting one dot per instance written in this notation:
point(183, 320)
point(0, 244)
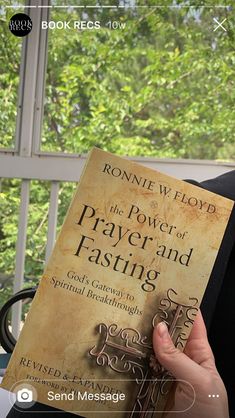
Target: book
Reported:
point(137, 247)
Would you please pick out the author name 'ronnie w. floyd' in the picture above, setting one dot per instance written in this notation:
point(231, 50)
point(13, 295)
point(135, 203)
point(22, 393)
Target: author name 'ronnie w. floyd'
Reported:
point(163, 189)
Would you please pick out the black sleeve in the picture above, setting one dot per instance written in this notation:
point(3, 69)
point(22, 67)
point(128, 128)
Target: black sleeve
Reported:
point(218, 306)
point(223, 185)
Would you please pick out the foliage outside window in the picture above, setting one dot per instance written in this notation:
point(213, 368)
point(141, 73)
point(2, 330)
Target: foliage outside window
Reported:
point(163, 86)
point(10, 55)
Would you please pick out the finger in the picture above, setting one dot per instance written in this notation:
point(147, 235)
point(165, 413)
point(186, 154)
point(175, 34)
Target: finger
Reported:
point(199, 329)
point(198, 347)
point(171, 358)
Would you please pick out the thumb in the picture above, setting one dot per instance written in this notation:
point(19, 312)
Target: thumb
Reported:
point(171, 358)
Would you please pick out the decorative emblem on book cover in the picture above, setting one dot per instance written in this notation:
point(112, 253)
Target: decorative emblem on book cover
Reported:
point(125, 350)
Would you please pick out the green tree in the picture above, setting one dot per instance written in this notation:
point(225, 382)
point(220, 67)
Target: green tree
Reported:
point(160, 84)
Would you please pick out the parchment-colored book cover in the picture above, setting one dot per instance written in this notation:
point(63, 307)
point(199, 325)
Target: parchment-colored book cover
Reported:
point(137, 247)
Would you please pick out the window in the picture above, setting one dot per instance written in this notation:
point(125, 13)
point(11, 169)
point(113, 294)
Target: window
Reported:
point(10, 57)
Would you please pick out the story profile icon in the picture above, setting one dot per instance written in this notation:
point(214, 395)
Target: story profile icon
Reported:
point(20, 24)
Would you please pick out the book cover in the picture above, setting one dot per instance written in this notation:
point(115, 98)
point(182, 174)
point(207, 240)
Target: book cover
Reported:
point(137, 247)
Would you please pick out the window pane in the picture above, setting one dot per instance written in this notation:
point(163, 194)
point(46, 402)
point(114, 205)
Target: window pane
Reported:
point(10, 55)
point(146, 81)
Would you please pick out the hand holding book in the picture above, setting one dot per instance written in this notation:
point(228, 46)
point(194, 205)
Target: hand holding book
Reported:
point(195, 366)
